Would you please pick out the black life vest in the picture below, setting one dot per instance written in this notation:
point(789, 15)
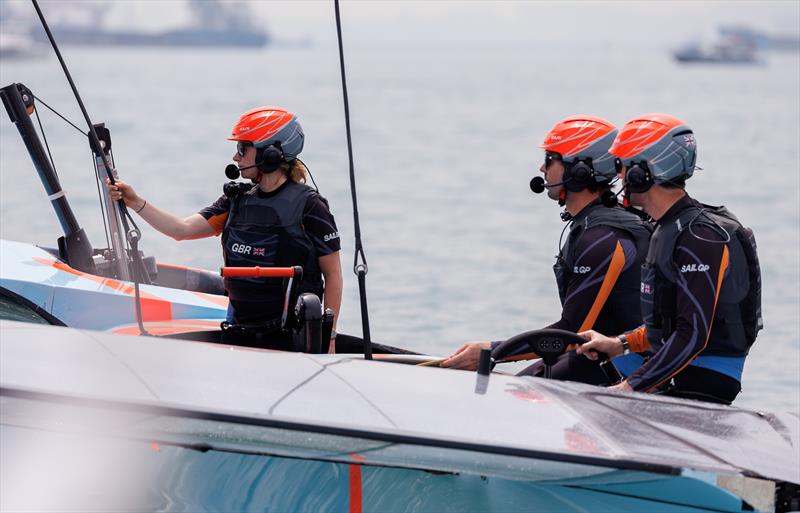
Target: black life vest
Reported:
point(737, 318)
point(268, 232)
point(621, 311)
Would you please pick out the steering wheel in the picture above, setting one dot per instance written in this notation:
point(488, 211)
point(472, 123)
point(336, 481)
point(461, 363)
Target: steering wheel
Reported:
point(550, 344)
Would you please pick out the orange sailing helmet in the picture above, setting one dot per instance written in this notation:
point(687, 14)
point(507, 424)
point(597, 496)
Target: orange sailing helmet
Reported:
point(664, 142)
point(584, 137)
point(264, 126)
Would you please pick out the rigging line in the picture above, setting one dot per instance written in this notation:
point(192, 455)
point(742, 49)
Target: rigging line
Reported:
point(132, 235)
point(52, 162)
point(360, 269)
point(59, 115)
point(356, 224)
point(102, 204)
point(46, 145)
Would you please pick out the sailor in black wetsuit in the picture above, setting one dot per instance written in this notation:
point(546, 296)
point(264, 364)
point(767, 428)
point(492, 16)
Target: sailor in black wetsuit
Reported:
point(277, 221)
point(598, 267)
point(701, 282)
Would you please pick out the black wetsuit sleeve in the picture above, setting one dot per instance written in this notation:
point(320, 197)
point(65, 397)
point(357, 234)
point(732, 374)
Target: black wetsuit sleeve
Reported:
point(601, 253)
point(217, 213)
point(701, 260)
point(320, 226)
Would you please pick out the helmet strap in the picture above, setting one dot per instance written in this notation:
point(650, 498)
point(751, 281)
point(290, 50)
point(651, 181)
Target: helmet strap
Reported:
point(562, 197)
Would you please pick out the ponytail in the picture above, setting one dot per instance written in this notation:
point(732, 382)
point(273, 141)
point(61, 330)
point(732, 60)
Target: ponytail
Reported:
point(296, 171)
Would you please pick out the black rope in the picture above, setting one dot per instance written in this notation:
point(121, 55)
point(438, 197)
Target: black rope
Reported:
point(46, 145)
point(133, 235)
point(94, 162)
point(360, 269)
point(309, 174)
point(59, 115)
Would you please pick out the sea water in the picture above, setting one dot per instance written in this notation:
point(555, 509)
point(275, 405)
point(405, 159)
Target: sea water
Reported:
point(445, 143)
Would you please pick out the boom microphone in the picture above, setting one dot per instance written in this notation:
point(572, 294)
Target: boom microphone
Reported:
point(233, 171)
point(609, 198)
point(538, 185)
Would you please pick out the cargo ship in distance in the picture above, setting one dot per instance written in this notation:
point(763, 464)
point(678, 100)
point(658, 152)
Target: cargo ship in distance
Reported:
point(215, 24)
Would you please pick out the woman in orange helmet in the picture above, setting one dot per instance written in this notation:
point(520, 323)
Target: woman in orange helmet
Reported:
point(277, 221)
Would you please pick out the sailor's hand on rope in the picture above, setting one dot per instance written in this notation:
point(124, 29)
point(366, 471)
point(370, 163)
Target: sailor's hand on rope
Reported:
point(121, 190)
point(599, 343)
point(467, 356)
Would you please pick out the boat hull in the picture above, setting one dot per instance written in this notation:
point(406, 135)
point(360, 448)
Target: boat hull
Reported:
point(177, 425)
point(45, 471)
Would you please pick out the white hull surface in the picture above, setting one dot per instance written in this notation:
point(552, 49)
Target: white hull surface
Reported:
point(82, 300)
point(145, 423)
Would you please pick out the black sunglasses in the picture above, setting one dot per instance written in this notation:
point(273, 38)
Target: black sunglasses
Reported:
point(241, 147)
point(549, 158)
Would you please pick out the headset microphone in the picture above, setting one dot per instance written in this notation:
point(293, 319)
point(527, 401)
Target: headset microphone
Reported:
point(538, 185)
point(609, 198)
point(233, 171)
point(233, 189)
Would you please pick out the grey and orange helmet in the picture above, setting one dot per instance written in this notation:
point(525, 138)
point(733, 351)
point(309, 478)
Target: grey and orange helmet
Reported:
point(584, 137)
point(665, 143)
point(265, 126)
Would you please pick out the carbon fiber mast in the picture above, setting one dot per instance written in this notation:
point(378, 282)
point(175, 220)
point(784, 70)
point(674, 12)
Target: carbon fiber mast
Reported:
point(74, 247)
point(139, 271)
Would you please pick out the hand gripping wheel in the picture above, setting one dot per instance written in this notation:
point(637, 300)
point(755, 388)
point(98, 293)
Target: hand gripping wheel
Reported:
point(549, 344)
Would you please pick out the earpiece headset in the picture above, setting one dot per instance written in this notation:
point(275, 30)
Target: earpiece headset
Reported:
point(269, 158)
point(578, 174)
point(638, 178)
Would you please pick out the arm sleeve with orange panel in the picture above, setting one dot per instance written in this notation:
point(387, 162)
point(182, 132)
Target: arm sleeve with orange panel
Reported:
point(217, 213)
point(701, 260)
point(637, 340)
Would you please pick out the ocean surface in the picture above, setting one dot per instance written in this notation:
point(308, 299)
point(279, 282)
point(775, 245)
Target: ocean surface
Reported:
point(445, 143)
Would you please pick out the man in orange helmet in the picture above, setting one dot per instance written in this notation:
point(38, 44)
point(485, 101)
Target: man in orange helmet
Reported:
point(278, 221)
point(597, 268)
point(701, 282)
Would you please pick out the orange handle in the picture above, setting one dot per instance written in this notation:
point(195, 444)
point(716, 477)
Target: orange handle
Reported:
point(257, 272)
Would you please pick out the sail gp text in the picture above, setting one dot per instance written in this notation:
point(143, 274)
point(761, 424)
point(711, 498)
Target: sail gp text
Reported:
point(695, 268)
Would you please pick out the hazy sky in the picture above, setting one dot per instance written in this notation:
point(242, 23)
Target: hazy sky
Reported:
point(475, 23)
